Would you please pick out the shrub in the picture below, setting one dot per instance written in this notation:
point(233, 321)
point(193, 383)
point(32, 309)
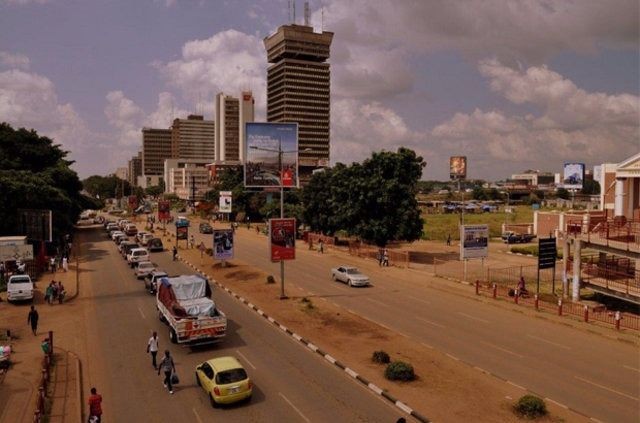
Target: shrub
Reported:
point(271, 279)
point(399, 370)
point(530, 407)
point(209, 251)
point(380, 357)
point(307, 303)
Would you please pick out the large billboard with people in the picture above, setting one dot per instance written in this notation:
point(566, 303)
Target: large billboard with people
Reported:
point(573, 175)
point(272, 155)
point(282, 239)
point(474, 241)
point(223, 244)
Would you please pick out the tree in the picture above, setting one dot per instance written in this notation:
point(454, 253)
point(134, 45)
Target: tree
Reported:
point(590, 187)
point(563, 193)
point(154, 191)
point(107, 186)
point(479, 193)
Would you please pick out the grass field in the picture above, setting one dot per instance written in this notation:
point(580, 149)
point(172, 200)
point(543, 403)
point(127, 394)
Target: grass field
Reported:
point(438, 226)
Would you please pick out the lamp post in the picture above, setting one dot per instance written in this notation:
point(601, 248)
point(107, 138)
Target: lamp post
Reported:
point(280, 153)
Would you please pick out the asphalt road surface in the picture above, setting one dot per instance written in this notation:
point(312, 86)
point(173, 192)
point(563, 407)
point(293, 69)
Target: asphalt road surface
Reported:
point(589, 373)
point(291, 383)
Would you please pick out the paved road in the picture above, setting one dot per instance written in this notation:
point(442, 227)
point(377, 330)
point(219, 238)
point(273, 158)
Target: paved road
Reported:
point(594, 375)
point(291, 384)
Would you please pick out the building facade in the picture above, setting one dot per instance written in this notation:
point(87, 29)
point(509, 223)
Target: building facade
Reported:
point(189, 183)
point(298, 90)
point(247, 113)
point(135, 169)
point(122, 173)
point(193, 138)
point(172, 169)
point(620, 188)
point(156, 148)
point(227, 127)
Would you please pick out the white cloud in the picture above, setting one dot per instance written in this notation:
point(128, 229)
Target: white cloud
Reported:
point(23, 2)
point(573, 125)
point(229, 61)
point(14, 61)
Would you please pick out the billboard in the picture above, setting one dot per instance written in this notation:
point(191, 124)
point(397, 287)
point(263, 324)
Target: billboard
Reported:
point(133, 202)
point(474, 241)
point(458, 167)
point(16, 252)
point(282, 239)
point(164, 210)
point(182, 232)
point(272, 155)
point(224, 205)
point(223, 244)
point(573, 175)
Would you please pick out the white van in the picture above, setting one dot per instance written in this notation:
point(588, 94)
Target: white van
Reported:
point(19, 288)
point(136, 255)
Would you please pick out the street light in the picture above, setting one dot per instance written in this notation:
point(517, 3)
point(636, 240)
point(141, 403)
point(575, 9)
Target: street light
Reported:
point(280, 153)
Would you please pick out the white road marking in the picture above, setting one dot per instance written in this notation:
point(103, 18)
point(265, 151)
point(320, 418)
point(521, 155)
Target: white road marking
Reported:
point(473, 317)
point(197, 415)
point(426, 345)
point(246, 359)
point(502, 349)
point(516, 385)
point(631, 368)
point(607, 388)
point(141, 313)
point(295, 408)
point(429, 322)
point(548, 342)
point(453, 357)
point(557, 403)
point(378, 302)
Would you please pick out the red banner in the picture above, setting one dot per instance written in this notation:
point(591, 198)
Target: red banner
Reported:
point(164, 210)
point(133, 202)
point(282, 239)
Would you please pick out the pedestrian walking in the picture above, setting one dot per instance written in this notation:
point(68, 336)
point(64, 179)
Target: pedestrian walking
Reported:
point(380, 257)
point(61, 292)
point(321, 247)
point(192, 242)
point(152, 348)
point(449, 239)
point(175, 253)
point(95, 406)
point(168, 367)
point(52, 264)
point(2, 271)
point(385, 258)
point(32, 319)
point(48, 293)
point(65, 264)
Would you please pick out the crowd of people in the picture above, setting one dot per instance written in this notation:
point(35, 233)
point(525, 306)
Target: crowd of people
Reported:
point(55, 291)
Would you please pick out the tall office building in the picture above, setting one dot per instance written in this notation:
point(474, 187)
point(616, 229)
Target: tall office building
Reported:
point(193, 138)
point(156, 148)
point(298, 90)
point(135, 169)
point(231, 115)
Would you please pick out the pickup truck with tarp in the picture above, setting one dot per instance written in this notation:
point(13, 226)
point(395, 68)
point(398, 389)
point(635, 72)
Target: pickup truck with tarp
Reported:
point(184, 303)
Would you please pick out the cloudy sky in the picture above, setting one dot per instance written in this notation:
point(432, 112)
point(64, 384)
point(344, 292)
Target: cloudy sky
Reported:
point(513, 85)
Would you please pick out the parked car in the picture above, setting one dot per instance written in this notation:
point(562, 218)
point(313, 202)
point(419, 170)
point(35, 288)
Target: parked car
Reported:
point(155, 244)
point(144, 240)
point(205, 228)
point(137, 255)
point(349, 275)
point(128, 246)
point(121, 238)
point(144, 268)
point(224, 380)
point(139, 235)
point(131, 229)
point(20, 288)
point(115, 234)
point(511, 237)
point(152, 279)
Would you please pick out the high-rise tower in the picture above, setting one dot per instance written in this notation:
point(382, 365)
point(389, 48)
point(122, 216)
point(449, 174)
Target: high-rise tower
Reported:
point(298, 90)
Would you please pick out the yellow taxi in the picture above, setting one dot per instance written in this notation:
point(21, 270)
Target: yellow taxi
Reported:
point(224, 380)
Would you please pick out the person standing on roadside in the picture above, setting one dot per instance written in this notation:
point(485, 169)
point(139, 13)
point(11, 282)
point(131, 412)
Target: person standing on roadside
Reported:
point(33, 319)
point(65, 264)
point(175, 253)
point(168, 367)
point(52, 264)
point(385, 258)
point(449, 239)
point(95, 406)
point(321, 247)
point(152, 348)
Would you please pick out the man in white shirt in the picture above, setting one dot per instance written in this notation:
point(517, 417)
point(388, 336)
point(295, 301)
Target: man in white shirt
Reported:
point(152, 348)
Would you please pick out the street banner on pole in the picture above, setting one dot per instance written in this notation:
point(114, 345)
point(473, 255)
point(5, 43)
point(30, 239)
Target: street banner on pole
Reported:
point(224, 205)
point(164, 210)
point(474, 241)
point(223, 244)
point(282, 239)
point(133, 202)
point(272, 154)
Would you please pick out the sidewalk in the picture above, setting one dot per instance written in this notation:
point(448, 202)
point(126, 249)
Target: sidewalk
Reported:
point(19, 386)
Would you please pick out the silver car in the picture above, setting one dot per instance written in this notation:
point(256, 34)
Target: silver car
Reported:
point(349, 275)
point(144, 268)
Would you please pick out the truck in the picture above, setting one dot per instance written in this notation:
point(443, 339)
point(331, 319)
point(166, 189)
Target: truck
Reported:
point(184, 303)
point(511, 237)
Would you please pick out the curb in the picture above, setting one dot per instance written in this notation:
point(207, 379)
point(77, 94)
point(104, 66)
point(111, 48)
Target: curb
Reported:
point(78, 384)
point(307, 343)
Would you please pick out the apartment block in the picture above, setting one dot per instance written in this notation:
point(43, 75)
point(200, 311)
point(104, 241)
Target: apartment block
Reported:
point(156, 148)
point(193, 138)
point(135, 169)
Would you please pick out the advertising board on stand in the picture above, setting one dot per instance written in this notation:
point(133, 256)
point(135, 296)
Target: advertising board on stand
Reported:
point(272, 156)
point(182, 232)
point(223, 244)
point(164, 210)
point(132, 202)
point(282, 239)
point(458, 167)
point(474, 241)
point(224, 205)
point(573, 175)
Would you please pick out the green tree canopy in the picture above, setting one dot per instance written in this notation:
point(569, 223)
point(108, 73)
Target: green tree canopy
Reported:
point(106, 186)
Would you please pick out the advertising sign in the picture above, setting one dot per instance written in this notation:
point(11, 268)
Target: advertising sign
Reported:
point(272, 155)
point(164, 210)
point(133, 202)
point(182, 232)
point(547, 253)
point(225, 202)
point(474, 241)
point(16, 252)
point(458, 167)
point(223, 244)
point(573, 175)
point(282, 239)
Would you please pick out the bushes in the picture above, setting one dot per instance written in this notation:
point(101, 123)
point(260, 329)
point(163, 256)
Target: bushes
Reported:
point(271, 279)
point(380, 357)
point(530, 406)
point(399, 370)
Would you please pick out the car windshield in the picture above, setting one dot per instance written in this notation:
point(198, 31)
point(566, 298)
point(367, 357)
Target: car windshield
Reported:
point(20, 279)
point(353, 271)
point(230, 376)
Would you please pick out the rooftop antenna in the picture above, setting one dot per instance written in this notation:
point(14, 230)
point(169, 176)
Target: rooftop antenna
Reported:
point(306, 13)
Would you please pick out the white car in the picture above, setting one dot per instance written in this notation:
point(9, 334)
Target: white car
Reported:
point(116, 234)
point(146, 238)
point(137, 255)
point(144, 268)
point(19, 287)
point(349, 275)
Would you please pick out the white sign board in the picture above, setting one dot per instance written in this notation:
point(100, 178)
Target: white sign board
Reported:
point(225, 202)
point(474, 241)
point(16, 252)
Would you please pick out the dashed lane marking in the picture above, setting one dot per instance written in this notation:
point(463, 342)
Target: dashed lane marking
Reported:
point(246, 359)
point(294, 407)
point(608, 389)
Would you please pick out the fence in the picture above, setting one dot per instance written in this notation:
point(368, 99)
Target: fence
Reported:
point(396, 258)
point(582, 311)
point(40, 411)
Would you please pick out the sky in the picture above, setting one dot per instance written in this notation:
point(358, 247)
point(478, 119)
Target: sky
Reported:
point(513, 85)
